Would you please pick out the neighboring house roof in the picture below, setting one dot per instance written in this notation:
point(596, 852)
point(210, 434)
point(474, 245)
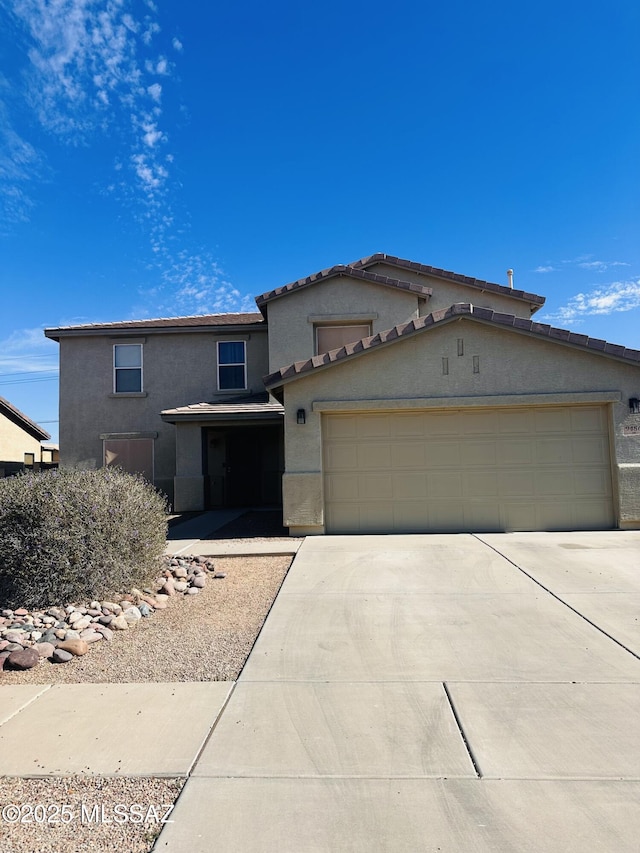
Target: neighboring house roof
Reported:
point(21, 420)
point(439, 318)
point(166, 324)
point(435, 272)
point(346, 270)
point(255, 406)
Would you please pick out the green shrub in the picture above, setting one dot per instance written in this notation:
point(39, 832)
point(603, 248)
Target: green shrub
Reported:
point(70, 536)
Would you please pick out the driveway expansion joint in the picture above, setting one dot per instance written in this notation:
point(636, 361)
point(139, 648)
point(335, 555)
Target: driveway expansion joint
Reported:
point(463, 735)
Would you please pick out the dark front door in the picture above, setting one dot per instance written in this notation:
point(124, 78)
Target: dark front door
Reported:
point(242, 470)
point(244, 465)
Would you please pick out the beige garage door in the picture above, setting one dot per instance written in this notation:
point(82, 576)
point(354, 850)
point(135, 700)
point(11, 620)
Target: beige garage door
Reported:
point(544, 468)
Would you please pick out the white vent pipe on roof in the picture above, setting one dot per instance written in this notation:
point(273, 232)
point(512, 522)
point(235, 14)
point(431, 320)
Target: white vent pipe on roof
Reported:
point(510, 277)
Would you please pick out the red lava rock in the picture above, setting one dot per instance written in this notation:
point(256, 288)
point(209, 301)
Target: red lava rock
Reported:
point(20, 612)
point(24, 659)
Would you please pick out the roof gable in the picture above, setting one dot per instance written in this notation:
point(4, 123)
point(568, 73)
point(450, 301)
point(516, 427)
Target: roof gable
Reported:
point(438, 319)
point(21, 420)
point(435, 272)
point(342, 270)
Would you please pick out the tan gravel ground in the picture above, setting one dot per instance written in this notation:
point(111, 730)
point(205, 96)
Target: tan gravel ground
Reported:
point(205, 637)
point(84, 815)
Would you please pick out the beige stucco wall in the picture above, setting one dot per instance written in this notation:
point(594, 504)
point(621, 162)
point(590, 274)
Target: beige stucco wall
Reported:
point(15, 442)
point(510, 364)
point(179, 369)
point(446, 293)
point(291, 331)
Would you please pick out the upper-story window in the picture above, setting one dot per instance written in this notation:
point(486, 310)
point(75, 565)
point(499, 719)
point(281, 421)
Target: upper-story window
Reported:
point(127, 368)
point(232, 365)
point(334, 337)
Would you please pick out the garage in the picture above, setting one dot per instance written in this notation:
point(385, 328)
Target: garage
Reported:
point(468, 469)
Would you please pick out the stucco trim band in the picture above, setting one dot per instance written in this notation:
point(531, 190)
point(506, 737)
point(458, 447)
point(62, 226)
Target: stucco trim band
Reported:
point(561, 399)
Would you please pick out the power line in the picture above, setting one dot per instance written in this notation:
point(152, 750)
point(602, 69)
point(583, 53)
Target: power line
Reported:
point(23, 372)
point(26, 381)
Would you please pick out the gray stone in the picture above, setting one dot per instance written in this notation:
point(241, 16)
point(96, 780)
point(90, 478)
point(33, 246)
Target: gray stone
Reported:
point(180, 586)
point(119, 623)
point(144, 609)
point(199, 581)
point(193, 590)
point(61, 656)
point(71, 635)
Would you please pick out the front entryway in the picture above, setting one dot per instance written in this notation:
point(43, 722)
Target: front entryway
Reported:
point(243, 466)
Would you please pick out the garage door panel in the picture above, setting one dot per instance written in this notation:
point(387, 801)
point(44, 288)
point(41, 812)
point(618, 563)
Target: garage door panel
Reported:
point(516, 483)
point(590, 450)
point(588, 419)
point(408, 425)
point(514, 422)
point(341, 487)
point(408, 455)
point(445, 484)
point(340, 456)
point(552, 451)
point(441, 454)
point(410, 486)
point(480, 483)
point(478, 452)
point(442, 423)
point(341, 426)
point(597, 482)
point(375, 486)
point(551, 420)
point(516, 452)
point(505, 469)
point(374, 426)
point(372, 456)
point(483, 422)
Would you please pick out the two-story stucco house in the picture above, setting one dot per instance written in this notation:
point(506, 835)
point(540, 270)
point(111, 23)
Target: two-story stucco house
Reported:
point(378, 396)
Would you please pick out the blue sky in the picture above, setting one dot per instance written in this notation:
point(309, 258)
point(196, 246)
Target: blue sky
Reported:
point(159, 159)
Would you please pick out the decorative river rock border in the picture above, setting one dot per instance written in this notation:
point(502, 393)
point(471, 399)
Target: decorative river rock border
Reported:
point(59, 634)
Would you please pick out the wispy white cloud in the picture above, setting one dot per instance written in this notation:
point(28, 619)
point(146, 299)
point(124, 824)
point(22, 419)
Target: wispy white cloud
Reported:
point(177, 45)
point(88, 75)
point(615, 297)
point(547, 268)
point(601, 266)
point(193, 283)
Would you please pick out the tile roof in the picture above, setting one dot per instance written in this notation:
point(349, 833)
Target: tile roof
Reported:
point(22, 420)
point(346, 270)
point(199, 321)
point(463, 309)
point(249, 407)
point(392, 260)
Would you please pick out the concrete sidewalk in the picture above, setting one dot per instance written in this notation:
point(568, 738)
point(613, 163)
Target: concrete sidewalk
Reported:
point(197, 536)
point(422, 693)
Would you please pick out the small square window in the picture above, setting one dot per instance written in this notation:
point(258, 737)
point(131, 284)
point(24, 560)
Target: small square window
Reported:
point(127, 368)
point(232, 365)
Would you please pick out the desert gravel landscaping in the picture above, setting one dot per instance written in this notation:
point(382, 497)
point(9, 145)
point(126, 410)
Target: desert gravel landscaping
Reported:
point(204, 637)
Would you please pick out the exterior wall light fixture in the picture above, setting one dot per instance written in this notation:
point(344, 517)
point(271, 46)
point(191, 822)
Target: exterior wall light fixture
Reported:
point(634, 405)
point(301, 416)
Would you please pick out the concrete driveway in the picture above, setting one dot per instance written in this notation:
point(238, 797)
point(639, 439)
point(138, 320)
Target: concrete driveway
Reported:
point(433, 693)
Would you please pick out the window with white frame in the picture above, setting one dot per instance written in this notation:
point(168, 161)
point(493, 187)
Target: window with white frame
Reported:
point(127, 368)
point(334, 337)
point(232, 365)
